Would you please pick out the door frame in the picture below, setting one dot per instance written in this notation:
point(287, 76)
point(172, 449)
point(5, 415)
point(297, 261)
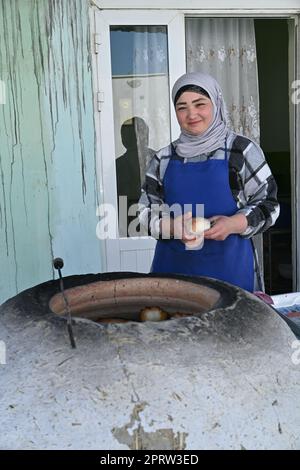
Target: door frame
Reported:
point(216, 6)
point(178, 17)
point(294, 74)
point(103, 96)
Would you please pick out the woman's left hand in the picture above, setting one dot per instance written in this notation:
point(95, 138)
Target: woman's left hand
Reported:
point(224, 226)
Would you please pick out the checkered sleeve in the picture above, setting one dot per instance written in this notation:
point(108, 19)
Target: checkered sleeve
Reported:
point(257, 195)
point(152, 199)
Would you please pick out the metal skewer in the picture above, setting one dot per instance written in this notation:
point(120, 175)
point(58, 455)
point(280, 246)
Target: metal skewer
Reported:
point(58, 264)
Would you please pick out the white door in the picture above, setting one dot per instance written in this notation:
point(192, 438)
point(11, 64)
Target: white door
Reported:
point(139, 56)
point(294, 79)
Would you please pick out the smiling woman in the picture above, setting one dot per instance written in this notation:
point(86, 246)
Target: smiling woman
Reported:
point(213, 172)
point(194, 114)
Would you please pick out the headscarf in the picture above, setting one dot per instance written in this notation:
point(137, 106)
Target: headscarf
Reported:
point(189, 145)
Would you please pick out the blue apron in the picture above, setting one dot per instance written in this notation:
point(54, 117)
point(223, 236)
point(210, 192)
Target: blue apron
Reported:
point(207, 183)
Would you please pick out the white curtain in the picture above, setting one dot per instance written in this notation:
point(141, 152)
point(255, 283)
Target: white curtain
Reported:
point(226, 49)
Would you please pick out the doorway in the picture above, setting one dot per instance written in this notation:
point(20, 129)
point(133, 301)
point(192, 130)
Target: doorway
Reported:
point(250, 59)
point(272, 46)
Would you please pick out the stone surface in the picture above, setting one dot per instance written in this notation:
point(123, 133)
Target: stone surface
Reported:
point(223, 380)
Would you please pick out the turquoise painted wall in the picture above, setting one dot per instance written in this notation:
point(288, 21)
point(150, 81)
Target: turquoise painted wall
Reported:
point(48, 186)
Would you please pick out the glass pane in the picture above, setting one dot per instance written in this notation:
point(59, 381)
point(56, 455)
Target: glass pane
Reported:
point(140, 81)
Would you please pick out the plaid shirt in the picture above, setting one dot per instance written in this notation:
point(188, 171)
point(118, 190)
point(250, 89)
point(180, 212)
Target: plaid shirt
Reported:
point(251, 181)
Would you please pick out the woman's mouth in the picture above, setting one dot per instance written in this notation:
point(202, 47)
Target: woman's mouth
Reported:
point(194, 123)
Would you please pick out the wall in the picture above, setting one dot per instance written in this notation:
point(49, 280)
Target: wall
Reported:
point(47, 158)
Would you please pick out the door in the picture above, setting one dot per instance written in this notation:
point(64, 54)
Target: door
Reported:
point(294, 108)
point(138, 56)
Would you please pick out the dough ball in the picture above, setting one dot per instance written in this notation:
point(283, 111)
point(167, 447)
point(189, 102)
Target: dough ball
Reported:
point(196, 243)
point(153, 314)
point(200, 224)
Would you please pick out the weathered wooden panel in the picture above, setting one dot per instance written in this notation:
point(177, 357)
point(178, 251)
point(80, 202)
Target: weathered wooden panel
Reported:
point(48, 184)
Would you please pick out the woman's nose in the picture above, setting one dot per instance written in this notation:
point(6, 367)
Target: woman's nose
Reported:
point(192, 112)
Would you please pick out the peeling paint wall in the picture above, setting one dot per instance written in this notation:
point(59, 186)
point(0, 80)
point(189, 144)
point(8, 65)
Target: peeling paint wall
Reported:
point(48, 187)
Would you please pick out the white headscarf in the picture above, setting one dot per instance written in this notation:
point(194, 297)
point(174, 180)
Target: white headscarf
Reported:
point(189, 145)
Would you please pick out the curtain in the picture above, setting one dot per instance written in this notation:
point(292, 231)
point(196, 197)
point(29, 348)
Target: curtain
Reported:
point(141, 88)
point(225, 48)
point(140, 84)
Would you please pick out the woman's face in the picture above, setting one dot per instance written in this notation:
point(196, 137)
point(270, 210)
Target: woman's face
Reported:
point(194, 112)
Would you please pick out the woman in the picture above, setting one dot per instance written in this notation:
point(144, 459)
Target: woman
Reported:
point(219, 169)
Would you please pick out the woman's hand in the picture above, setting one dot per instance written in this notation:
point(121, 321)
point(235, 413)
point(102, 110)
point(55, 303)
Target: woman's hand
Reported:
point(178, 228)
point(224, 226)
